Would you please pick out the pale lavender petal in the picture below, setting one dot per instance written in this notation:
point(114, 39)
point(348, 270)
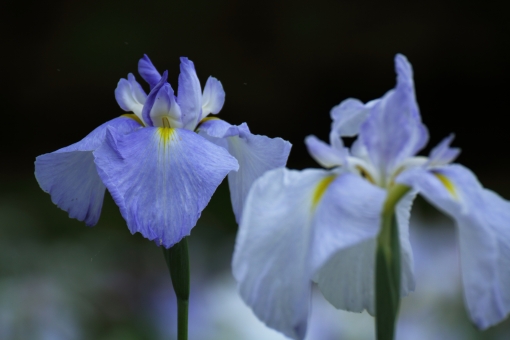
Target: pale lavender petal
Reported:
point(347, 278)
point(213, 97)
point(272, 254)
point(162, 179)
point(256, 154)
point(69, 175)
point(324, 154)
point(148, 72)
point(189, 95)
point(482, 220)
point(349, 115)
point(393, 130)
point(443, 154)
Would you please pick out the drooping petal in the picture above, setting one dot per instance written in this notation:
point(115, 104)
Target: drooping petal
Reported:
point(403, 213)
point(271, 258)
point(443, 154)
point(347, 278)
point(482, 220)
point(393, 130)
point(162, 179)
point(348, 214)
point(189, 95)
point(130, 96)
point(69, 175)
point(256, 154)
point(324, 154)
point(161, 108)
point(148, 72)
point(349, 115)
point(213, 97)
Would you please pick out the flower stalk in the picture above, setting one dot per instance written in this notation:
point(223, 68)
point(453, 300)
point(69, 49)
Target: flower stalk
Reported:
point(388, 271)
point(177, 260)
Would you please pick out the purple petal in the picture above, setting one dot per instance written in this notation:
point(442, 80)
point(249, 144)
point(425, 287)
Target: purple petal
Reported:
point(148, 71)
point(162, 179)
point(394, 131)
point(69, 175)
point(189, 95)
point(163, 94)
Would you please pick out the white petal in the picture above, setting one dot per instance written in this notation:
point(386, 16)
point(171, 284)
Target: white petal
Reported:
point(271, 258)
point(213, 97)
point(323, 153)
point(482, 219)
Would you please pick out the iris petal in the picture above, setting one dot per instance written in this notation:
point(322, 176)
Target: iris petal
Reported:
point(271, 258)
point(482, 220)
point(130, 95)
point(393, 130)
point(148, 71)
point(213, 97)
point(443, 154)
point(256, 154)
point(69, 175)
point(162, 179)
point(324, 154)
point(189, 94)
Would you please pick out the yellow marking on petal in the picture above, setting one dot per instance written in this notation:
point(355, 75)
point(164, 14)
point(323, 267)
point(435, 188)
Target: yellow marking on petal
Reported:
point(447, 183)
point(134, 117)
point(166, 134)
point(208, 118)
point(365, 174)
point(203, 121)
point(321, 189)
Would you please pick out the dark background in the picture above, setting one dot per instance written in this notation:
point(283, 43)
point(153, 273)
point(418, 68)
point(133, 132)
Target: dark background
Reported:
point(283, 64)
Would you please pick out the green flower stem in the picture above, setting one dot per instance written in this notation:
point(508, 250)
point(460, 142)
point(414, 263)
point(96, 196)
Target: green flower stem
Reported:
point(177, 260)
point(387, 280)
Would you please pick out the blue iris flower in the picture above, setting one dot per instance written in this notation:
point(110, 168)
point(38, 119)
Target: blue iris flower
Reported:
point(162, 162)
point(322, 225)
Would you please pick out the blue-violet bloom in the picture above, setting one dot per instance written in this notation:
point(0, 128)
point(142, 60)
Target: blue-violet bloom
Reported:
point(159, 170)
point(322, 225)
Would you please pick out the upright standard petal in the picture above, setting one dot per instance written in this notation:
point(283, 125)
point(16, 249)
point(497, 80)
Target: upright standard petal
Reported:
point(213, 97)
point(161, 108)
point(130, 96)
point(393, 130)
point(162, 179)
point(189, 95)
point(256, 154)
point(148, 72)
point(349, 115)
point(482, 220)
point(69, 175)
point(443, 154)
point(325, 154)
point(272, 254)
